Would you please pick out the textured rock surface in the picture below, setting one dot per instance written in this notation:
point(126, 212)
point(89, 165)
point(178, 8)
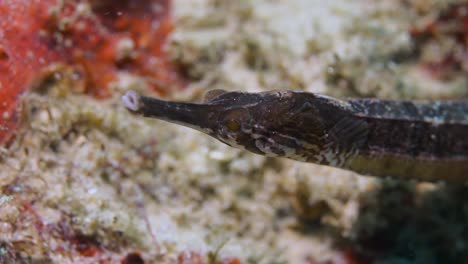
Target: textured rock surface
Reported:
point(86, 182)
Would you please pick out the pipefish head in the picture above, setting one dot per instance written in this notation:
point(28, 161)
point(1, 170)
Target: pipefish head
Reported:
point(279, 123)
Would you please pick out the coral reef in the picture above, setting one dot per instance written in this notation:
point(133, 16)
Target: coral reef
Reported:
point(98, 39)
point(84, 181)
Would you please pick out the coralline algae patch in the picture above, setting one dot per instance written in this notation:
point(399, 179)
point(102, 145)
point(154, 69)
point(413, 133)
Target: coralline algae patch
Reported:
point(442, 41)
point(97, 38)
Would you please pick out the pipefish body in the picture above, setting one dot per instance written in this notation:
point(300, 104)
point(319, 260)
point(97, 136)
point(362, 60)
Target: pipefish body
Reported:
point(425, 140)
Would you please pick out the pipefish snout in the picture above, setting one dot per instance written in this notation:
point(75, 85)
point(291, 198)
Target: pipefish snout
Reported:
point(425, 140)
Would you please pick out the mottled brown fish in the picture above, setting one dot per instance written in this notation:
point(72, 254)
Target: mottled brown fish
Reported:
point(414, 140)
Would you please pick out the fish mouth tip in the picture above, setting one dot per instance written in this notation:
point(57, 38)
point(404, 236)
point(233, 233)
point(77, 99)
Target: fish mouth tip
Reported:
point(131, 101)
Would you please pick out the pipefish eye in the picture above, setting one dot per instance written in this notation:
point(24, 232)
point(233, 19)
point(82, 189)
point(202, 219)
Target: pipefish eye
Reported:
point(234, 120)
point(232, 125)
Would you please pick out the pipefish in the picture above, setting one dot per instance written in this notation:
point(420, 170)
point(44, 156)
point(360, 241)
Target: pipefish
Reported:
point(422, 140)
